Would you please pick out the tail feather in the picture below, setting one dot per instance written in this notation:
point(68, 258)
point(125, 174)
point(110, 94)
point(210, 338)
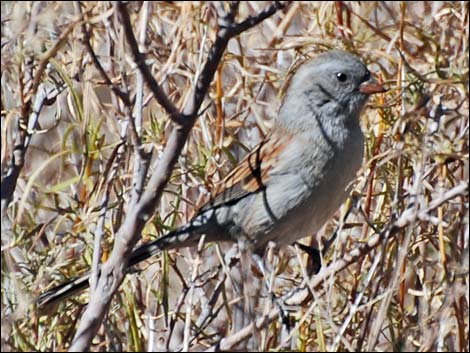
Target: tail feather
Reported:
point(180, 238)
point(64, 290)
point(183, 237)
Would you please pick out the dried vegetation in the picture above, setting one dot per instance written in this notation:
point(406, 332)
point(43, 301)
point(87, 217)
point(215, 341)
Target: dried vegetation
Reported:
point(396, 279)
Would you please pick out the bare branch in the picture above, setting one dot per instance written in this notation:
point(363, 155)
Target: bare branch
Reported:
point(8, 184)
point(86, 40)
point(252, 21)
point(227, 30)
point(61, 41)
point(139, 59)
point(114, 270)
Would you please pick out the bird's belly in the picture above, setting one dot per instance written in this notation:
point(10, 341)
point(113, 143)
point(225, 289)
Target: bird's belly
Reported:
point(307, 209)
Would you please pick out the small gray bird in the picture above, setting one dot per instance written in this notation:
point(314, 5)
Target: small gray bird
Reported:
point(294, 180)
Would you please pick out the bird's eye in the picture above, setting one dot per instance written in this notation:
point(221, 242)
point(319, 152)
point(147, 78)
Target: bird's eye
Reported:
point(366, 76)
point(341, 76)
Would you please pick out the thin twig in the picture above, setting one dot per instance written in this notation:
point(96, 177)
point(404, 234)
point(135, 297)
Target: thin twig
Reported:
point(86, 40)
point(139, 59)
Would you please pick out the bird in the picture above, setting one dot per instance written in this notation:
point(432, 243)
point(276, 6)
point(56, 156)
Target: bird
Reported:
point(294, 180)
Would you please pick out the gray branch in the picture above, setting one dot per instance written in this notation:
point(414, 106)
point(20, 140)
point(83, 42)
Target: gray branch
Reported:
point(114, 270)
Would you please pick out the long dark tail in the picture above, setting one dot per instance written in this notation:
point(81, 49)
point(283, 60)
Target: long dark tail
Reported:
point(180, 238)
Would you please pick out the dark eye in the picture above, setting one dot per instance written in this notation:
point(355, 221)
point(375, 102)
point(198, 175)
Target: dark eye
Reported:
point(366, 76)
point(341, 77)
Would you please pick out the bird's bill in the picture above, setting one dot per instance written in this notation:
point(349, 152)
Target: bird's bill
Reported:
point(371, 87)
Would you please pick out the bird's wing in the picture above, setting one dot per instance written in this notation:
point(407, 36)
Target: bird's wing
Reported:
point(251, 175)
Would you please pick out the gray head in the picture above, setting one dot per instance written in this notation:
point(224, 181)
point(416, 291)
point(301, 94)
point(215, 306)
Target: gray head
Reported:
point(333, 85)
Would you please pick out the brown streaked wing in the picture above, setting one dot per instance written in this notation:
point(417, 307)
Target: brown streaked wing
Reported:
point(251, 174)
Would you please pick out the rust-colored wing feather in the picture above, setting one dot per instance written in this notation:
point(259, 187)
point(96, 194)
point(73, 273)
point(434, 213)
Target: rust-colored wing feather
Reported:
point(250, 175)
